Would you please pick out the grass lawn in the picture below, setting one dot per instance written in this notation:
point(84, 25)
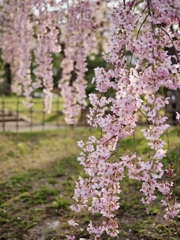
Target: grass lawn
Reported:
point(38, 172)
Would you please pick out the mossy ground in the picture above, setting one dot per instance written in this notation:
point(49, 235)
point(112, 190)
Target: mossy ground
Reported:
point(38, 173)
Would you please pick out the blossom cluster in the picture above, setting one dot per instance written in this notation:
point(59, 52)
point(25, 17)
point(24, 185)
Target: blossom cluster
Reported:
point(29, 30)
point(80, 39)
point(124, 88)
point(138, 67)
point(84, 29)
point(17, 43)
point(33, 30)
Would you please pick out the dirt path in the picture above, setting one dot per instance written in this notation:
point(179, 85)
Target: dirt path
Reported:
point(25, 127)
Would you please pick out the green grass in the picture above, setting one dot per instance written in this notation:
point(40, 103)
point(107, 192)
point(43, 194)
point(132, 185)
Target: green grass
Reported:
point(12, 103)
point(38, 171)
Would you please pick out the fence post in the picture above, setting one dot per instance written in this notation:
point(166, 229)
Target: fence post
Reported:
point(31, 114)
point(43, 116)
point(57, 112)
point(3, 114)
point(17, 114)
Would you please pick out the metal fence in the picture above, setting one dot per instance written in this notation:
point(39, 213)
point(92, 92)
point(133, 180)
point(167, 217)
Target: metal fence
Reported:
point(173, 106)
point(14, 116)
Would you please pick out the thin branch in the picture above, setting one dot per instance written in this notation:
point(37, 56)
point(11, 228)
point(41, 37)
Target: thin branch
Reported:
point(131, 6)
point(168, 145)
point(124, 2)
point(144, 116)
point(139, 30)
point(150, 14)
point(124, 146)
point(134, 137)
point(178, 61)
point(141, 25)
point(152, 24)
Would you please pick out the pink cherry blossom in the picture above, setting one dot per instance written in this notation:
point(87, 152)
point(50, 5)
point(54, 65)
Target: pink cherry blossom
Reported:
point(138, 66)
point(134, 87)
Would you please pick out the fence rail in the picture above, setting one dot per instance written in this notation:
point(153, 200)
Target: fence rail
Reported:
point(17, 117)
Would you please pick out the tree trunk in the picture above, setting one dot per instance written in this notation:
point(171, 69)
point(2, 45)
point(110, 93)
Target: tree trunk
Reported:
point(7, 80)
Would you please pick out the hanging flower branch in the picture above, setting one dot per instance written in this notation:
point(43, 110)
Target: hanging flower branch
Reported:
point(79, 40)
point(135, 89)
point(27, 28)
point(36, 29)
point(84, 29)
point(47, 43)
point(17, 43)
point(138, 67)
